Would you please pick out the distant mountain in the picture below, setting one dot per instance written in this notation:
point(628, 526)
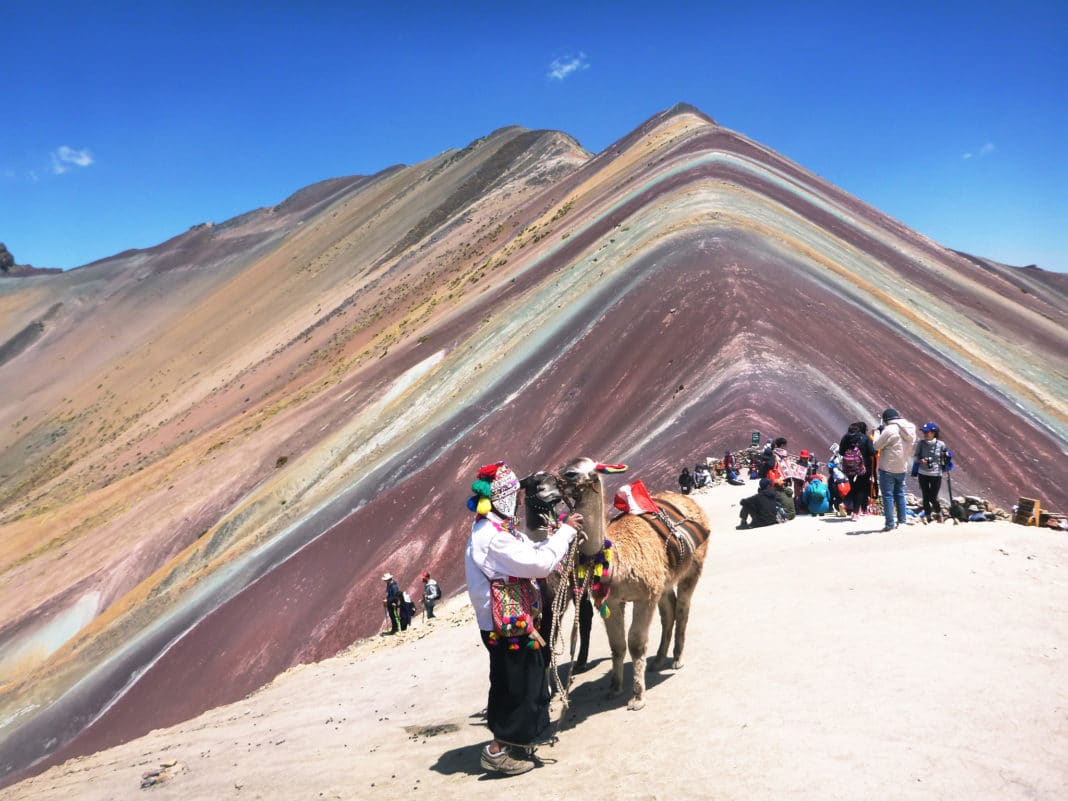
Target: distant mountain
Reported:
point(217, 445)
point(8, 268)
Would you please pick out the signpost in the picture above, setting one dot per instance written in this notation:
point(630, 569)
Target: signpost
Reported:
point(756, 437)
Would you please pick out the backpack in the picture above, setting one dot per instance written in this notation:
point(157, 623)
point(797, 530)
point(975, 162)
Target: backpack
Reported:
point(774, 475)
point(432, 592)
point(853, 463)
point(817, 491)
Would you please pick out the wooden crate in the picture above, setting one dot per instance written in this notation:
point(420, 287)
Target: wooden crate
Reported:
point(1028, 512)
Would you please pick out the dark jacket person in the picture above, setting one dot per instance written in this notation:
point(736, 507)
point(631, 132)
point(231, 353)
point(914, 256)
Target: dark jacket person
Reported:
point(760, 507)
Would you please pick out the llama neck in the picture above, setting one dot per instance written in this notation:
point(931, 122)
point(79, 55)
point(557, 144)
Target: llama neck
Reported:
point(591, 506)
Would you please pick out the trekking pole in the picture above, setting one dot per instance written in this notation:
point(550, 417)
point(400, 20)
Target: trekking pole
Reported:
point(949, 486)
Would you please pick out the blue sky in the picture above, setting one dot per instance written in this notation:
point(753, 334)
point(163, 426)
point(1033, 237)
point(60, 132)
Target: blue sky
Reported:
point(126, 123)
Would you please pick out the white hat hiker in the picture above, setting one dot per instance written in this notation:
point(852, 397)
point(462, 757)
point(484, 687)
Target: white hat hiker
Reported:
point(387, 576)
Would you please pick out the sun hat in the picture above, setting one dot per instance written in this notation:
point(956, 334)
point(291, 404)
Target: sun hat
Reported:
point(804, 454)
point(387, 577)
point(973, 508)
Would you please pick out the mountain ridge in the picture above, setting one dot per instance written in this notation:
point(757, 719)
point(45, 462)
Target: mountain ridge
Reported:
point(301, 392)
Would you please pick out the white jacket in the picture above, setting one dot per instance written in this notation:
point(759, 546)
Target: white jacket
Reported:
point(894, 444)
point(493, 553)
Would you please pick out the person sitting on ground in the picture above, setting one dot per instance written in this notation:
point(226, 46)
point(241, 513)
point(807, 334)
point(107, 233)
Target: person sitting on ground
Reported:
point(760, 509)
point(816, 496)
point(957, 510)
point(685, 481)
point(784, 495)
point(702, 476)
point(730, 467)
point(975, 515)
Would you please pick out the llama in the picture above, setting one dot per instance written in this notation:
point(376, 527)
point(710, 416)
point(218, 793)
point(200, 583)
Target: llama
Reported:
point(647, 568)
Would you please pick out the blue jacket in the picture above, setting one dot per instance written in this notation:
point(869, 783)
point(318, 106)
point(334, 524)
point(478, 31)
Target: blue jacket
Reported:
point(816, 496)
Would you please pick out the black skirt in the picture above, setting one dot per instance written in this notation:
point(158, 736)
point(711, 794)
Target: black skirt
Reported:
point(517, 711)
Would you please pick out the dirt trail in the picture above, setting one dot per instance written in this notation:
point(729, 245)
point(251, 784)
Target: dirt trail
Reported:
point(824, 661)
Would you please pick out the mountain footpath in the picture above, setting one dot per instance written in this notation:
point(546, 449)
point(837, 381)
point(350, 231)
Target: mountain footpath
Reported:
point(824, 660)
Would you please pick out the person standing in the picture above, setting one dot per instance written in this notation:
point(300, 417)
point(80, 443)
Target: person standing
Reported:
point(499, 557)
point(393, 603)
point(431, 594)
point(407, 610)
point(856, 457)
point(928, 460)
point(894, 444)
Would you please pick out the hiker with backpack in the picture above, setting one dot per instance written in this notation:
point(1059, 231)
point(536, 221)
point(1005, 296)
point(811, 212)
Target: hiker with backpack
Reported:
point(930, 458)
point(431, 594)
point(406, 611)
point(856, 455)
point(894, 444)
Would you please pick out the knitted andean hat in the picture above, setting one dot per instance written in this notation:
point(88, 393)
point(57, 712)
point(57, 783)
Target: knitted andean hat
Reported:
point(496, 487)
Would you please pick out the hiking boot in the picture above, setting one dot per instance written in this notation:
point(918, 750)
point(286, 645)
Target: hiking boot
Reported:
point(889, 528)
point(504, 763)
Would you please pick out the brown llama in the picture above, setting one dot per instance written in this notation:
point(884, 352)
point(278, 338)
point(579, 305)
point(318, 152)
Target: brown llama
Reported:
point(648, 568)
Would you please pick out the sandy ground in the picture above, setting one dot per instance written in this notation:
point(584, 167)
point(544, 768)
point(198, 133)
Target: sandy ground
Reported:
point(824, 661)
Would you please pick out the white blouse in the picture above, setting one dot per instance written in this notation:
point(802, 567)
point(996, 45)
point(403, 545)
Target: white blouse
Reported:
point(493, 553)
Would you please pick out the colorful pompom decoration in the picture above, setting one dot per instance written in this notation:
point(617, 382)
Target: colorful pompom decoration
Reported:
point(482, 488)
point(472, 502)
point(605, 611)
point(483, 507)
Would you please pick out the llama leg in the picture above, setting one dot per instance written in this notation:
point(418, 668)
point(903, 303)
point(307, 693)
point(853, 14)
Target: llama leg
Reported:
point(666, 606)
point(682, 610)
point(638, 641)
point(617, 643)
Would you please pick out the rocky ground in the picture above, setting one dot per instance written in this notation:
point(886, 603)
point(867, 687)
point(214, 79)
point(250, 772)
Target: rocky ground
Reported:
point(825, 660)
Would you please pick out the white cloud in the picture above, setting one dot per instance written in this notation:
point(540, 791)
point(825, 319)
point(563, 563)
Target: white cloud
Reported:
point(63, 157)
point(985, 150)
point(562, 67)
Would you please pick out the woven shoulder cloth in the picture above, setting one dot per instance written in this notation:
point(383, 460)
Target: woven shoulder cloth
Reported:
point(516, 605)
point(682, 535)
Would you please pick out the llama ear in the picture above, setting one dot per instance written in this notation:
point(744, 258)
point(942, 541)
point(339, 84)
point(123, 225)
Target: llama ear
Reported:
point(601, 467)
